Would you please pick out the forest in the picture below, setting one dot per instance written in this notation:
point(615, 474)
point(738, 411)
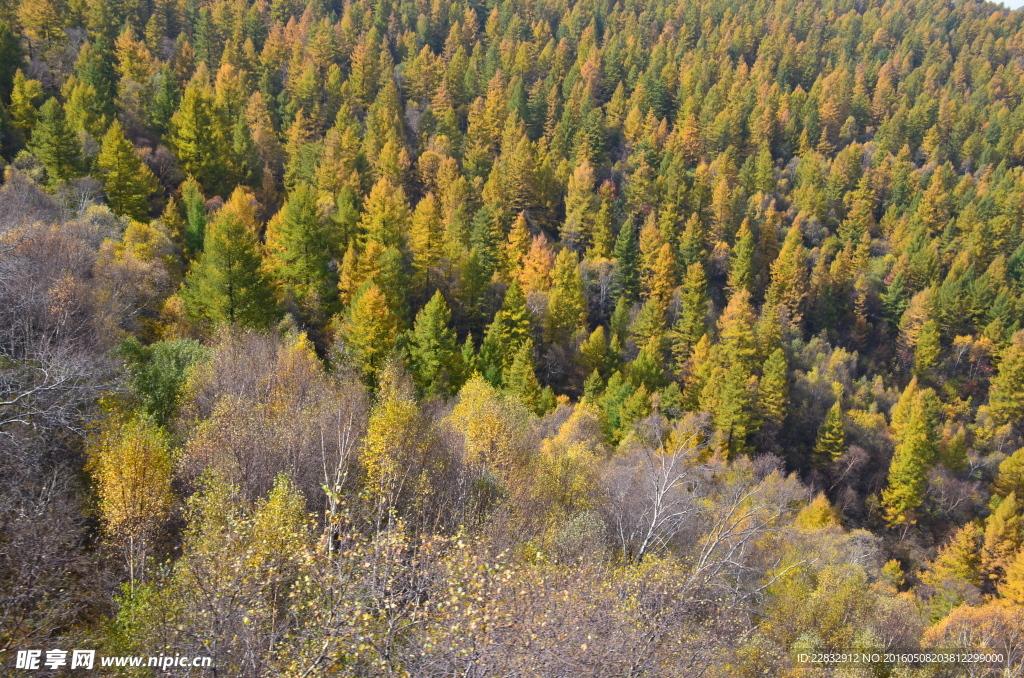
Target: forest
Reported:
point(435, 338)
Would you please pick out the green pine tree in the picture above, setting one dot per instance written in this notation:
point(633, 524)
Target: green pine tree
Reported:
point(369, 332)
point(927, 351)
point(300, 252)
point(55, 144)
point(1006, 396)
point(773, 388)
point(741, 266)
point(627, 262)
point(567, 305)
point(521, 380)
point(908, 471)
point(436, 362)
point(127, 181)
point(690, 325)
point(831, 442)
point(195, 216)
point(227, 283)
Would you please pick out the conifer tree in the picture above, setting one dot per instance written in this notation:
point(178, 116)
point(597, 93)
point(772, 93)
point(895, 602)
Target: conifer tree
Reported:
point(627, 262)
point(689, 326)
point(436, 362)
point(195, 216)
point(908, 471)
point(646, 368)
point(11, 58)
point(198, 137)
point(567, 305)
point(580, 207)
point(485, 237)
point(425, 238)
point(127, 181)
point(227, 283)
point(736, 332)
point(521, 380)
point(55, 144)
point(927, 351)
point(369, 331)
point(1012, 589)
point(831, 442)
point(694, 242)
point(663, 280)
point(385, 218)
point(959, 559)
point(1011, 475)
point(1006, 396)
point(603, 237)
point(741, 266)
point(1004, 536)
point(789, 276)
point(594, 352)
point(734, 418)
point(300, 251)
point(25, 95)
point(773, 388)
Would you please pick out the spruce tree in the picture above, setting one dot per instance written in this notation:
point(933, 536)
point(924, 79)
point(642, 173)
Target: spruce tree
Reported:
point(734, 417)
point(369, 331)
point(690, 325)
point(831, 442)
point(300, 251)
point(908, 471)
point(567, 305)
point(773, 388)
point(741, 266)
point(521, 380)
point(55, 144)
point(195, 216)
point(627, 262)
point(1004, 536)
point(227, 284)
point(1006, 396)
point(127, 181)
point(436, 362)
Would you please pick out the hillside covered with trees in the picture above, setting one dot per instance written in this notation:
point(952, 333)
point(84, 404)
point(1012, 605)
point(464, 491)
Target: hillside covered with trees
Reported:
point(547, 338)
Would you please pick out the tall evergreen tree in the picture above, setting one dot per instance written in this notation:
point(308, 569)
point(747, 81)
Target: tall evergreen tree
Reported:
point(627, 262)
point(198, 137)
point(227, 283)
point(55, 144)
point(908, 471)
point(690, 325)
point(436, 362)
point(369, 331)
point(1006, 396)
point(567, 304)
point(300, 251)
point(831, 442)
point(127, 181)
point(522, 379)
